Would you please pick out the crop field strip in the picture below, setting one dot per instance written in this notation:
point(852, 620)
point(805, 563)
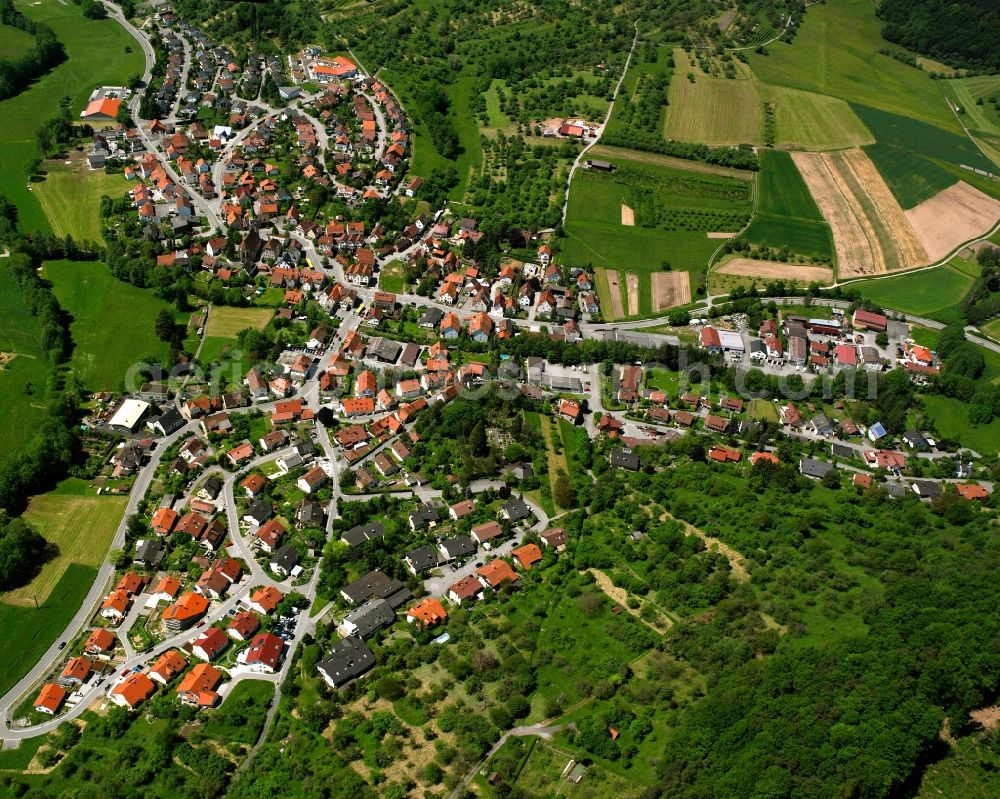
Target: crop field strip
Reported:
point(870, 232)
point(897, 240)
point(786, 213)
point(776, 270)
point(922, 138)
point(911, 177)
point(952, 217)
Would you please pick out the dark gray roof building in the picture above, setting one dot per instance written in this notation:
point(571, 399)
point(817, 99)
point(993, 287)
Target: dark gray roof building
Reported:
point(459, 546)
point(362, 533)
point(284, 560)
point(625, 459)
point(375, 583)
point(148, 553)
point(368, 619)
point(421, 559)
point(348, 660)
point(423, 516)
point(810, 467)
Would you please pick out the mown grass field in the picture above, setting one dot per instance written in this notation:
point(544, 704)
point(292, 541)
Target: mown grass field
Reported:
point(29, 632)
point(787, 215)
point(911, 177)
point(227, 322)
point(836, 53)
point(811, 121)
point(80, 523)
point(933, 293)
point(714, 111)
point(70, 197)
point(113, 322)
point(99, 52)
point(14, 42)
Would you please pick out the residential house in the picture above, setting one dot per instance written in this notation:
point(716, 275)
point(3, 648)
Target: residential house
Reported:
point(131, 692)
point(426, 614)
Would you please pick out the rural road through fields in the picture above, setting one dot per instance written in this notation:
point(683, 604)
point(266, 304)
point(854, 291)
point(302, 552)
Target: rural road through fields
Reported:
point(600, 132)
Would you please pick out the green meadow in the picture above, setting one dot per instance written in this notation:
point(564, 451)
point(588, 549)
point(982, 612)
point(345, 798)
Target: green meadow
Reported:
point(23, 376)
point(112, 321)
point(922, 138)
point(29, 632)
point(14, 42)
point(932, 293)
point(811, 121)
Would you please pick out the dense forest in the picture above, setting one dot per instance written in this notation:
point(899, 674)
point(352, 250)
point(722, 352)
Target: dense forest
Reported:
point(17, 73)
point(959, 32)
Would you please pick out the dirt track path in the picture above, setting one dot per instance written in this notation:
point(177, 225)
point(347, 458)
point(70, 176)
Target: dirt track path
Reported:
point(620, 595)
point(736, 561)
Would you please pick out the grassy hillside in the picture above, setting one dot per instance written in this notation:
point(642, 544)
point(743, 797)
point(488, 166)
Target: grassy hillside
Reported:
point(921, 137)
point(14, 42)
point(22, 378)
point(29, 632)
point(811, 121)
point(836, 53)
point(933, 293)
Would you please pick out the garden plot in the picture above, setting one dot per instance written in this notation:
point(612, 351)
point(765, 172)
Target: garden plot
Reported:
point(670, 289)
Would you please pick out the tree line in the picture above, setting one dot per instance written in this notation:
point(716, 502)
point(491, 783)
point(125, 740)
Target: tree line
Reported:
point(47, 456)
point(17, 73)
point(959, 32)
